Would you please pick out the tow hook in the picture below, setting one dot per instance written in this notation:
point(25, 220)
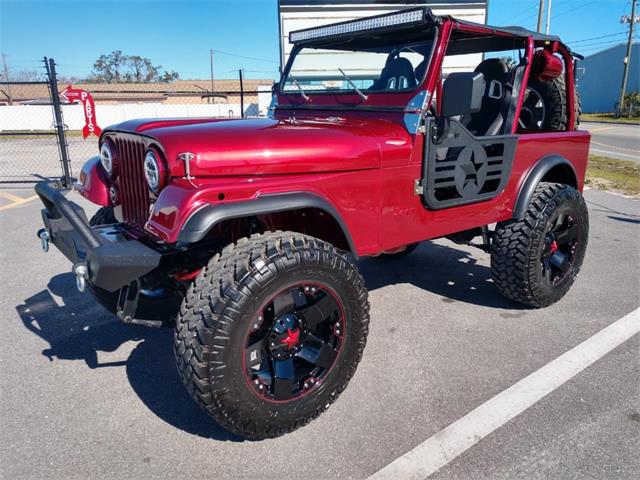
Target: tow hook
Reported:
point(81, 276)
point(43, 235)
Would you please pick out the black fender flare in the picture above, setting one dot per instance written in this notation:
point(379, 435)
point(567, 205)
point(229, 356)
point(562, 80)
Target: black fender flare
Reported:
point(534, 177)
point(201, 221)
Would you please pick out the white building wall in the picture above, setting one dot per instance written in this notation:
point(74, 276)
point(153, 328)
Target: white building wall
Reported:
point(297, 15)
point(39, 117)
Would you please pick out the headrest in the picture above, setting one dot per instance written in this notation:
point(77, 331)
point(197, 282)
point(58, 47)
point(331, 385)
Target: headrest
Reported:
point(397, 75)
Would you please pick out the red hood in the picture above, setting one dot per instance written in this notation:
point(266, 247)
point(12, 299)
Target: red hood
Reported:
point(268, 146)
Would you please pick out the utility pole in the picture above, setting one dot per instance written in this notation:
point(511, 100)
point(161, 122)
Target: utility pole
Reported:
point(548, 18)
point(540, 15)
point(6, 77)
point(627, 59)
point(211, 99)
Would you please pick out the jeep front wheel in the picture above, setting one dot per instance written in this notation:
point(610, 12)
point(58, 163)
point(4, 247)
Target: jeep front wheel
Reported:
point(104, 216)
point(535, 260)
point(271, 332)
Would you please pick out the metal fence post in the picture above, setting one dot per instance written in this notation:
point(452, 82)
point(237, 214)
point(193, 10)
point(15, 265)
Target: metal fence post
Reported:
point(59, 123)
point(241, 93)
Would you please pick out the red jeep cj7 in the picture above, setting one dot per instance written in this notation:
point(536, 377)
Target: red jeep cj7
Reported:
point(243, 233)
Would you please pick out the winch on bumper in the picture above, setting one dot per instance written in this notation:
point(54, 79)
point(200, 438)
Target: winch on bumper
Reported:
point(101, 255)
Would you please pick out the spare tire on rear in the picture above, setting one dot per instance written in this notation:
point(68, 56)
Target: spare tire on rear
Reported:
point(545, 106)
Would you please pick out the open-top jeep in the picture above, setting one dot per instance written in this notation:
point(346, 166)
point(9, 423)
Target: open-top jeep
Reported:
point(243, 233)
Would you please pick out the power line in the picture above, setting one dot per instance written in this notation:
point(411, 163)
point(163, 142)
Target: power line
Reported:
point(526, 18)
point(597, 38)
point(597, 44)
point(244, 56)
point(582, 5)
point(520, 18)
point(529, 16)
point(607, 42)
point(603, 46)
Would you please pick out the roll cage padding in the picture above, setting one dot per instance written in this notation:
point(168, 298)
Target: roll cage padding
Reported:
point(535, 176)
point(203, 220)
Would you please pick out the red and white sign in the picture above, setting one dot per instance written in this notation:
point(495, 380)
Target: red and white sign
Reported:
point(73, 95)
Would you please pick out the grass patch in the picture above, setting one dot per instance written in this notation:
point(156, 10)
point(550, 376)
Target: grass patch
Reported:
point(608, 118)
point(612, 174)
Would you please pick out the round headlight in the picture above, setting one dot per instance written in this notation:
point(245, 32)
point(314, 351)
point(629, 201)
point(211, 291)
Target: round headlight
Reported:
point(153, 171)
point(107, 157)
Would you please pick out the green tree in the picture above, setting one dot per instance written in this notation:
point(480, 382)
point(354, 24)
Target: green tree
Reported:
point(117, 67)
point(168, 77)
point(631, 104)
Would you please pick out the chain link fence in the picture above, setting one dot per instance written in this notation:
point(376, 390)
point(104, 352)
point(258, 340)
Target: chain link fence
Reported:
point(116, 103)
point(28, 140)
point(29, 146)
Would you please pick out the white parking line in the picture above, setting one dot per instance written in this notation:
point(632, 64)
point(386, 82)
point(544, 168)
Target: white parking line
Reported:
point(447, 444)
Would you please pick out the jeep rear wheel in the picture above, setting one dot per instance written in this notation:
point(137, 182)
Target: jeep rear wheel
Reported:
point(271, 332)
point(535, 260)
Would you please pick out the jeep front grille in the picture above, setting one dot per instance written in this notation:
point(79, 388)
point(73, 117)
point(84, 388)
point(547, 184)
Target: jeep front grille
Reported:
point(134, 193)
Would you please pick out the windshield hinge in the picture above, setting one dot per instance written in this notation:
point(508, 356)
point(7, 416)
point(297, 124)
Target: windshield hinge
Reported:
point(418, 189)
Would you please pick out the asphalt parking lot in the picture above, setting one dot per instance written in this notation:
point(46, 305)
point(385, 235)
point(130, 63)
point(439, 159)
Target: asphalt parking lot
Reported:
point(614, 140)
point(85, 396)
point(32, 157)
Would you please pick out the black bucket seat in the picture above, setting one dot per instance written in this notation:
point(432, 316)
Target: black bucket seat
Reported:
point(397, 74)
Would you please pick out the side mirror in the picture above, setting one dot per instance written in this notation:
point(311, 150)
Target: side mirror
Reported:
point(462, 93)
point(275, 88)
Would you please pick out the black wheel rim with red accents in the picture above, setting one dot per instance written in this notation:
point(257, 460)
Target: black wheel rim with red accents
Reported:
point(293, 342)
point(560, 245)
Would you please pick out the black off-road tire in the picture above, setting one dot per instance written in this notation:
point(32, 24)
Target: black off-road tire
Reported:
point(518, 245)
point(104, 216)
point(554, 97)
point(219, 308)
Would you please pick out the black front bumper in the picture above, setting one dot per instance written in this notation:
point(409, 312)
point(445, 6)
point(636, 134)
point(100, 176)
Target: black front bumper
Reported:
point(112, 260)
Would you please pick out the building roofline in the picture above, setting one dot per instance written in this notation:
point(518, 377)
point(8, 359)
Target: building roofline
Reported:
point(621, 44)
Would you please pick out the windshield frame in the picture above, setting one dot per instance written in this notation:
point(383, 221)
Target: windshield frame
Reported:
point(410, 92)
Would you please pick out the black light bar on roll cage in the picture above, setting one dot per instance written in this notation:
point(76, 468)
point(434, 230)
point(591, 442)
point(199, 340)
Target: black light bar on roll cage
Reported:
point(378, 23)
